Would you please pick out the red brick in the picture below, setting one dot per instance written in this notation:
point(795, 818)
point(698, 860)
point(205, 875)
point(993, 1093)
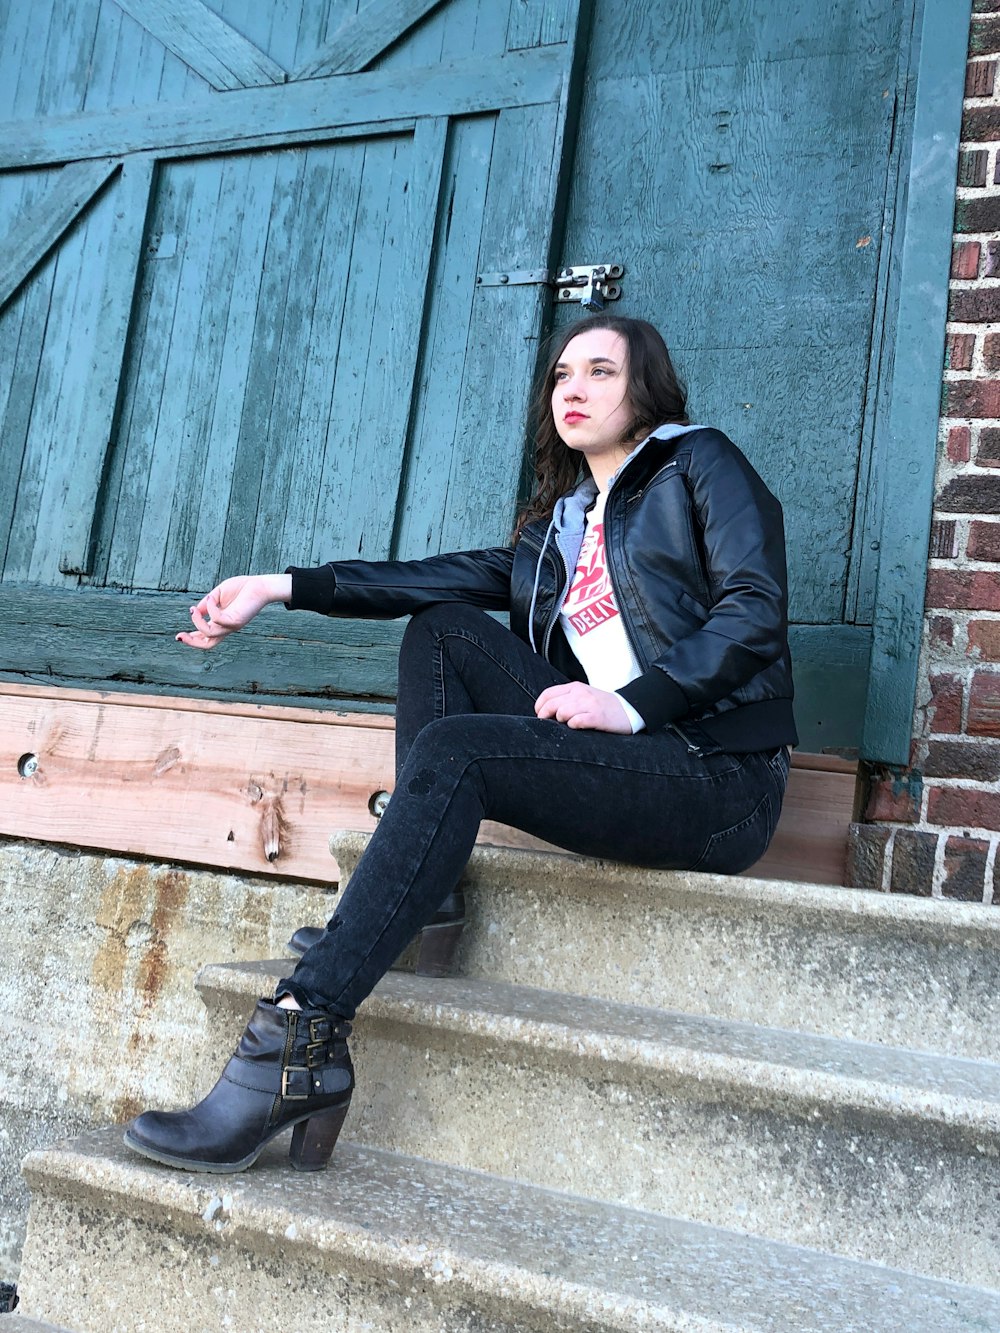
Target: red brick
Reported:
point(965, 869)
point(979, 761)
point(894, 801)
point(984, 639)
point(959, 350)
point(963, 590)
point(984, 541)
point(993, 249)
point(965, 260)
point(988, 453)
point(972, 398)
point(981, 124)
point(984, 707)
point(942, 631)
point(946, 705)
point(984, 39)
point(963, 807)
point(979, 213)
point(913, 862)
point(971, 493)
point(991, 352)
point(959, 444)
point(974, 306)
point(979, 77)
point(973, 166)
point(866, 844)
point(944, 542)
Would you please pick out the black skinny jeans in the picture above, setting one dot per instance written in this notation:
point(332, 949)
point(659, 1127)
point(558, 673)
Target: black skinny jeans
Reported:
point(469, 747)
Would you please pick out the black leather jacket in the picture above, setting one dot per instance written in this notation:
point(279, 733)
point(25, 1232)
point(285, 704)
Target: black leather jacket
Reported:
point(695, 548)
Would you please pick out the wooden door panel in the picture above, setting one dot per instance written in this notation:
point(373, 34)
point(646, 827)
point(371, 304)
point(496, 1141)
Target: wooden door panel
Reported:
point(255, 404)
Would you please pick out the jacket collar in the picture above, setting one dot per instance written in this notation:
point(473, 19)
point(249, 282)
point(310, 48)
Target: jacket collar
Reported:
point(570, 514)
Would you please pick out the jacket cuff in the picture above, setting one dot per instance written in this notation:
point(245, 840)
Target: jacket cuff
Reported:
point(312, 589)
point(656, 698)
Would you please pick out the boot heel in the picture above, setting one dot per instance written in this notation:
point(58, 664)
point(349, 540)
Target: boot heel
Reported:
point(437, 949)
point(313, 1140)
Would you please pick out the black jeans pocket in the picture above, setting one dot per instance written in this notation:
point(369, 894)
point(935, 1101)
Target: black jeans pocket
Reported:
point(734, 849)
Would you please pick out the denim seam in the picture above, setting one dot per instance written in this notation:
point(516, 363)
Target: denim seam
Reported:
point(470, 638)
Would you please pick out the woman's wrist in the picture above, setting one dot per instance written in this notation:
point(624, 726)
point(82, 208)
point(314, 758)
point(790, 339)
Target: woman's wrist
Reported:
point(279, 587)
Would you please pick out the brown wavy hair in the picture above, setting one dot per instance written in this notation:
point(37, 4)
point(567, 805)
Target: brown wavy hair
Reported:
point(655, 394)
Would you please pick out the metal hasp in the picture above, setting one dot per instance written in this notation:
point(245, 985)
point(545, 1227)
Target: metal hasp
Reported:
point(592, 285)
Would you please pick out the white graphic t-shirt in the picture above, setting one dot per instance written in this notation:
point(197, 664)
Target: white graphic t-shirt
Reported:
point(591, 620)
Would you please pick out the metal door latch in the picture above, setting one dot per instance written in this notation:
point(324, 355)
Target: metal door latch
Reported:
point(592, 285)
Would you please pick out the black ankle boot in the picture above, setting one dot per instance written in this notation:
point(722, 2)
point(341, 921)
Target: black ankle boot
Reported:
point(438, 939)
point(291, 1067)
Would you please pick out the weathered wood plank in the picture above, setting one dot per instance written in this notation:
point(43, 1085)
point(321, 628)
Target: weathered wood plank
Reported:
point(354, 515)
point(196, 782)
point(40, 228)
point(460, 87)
point(20, 363)
point(211, 47)
point(364, 36)
point(400, 307)
point(92, 637)
point(431, 455)
point(188, 786)
point(107, 356)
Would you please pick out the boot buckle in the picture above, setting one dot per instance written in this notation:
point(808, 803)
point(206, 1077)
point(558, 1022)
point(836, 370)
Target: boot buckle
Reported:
point(317, 1053)
point(295, 1096)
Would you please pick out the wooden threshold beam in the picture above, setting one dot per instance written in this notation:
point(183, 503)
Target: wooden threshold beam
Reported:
point(260, 788)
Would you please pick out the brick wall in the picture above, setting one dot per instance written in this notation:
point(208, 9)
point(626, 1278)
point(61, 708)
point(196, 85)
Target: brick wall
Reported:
point(933, 828)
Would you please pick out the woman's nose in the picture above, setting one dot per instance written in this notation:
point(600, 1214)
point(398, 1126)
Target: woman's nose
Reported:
point(572, 389)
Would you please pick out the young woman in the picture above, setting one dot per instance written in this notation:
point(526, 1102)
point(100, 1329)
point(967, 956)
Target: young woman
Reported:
point(638, 708)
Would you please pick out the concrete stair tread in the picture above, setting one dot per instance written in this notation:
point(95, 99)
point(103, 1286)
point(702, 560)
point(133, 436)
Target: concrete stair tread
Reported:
point(945, 1089)
point(739, 893)
point(19, 1323)
point(498, 1241)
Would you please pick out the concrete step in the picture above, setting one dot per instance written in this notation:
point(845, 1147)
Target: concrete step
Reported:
point(873, 967)
point(868, 1151)
point(24, 1324)
point(18, 1323)
point(390, 1243)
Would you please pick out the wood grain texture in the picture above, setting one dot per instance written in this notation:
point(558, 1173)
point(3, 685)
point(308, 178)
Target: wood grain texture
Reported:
point(459, 87)
point(364, 37)
point(212, 48)
point(40, 228)
point(100, 397)
point(188, 782)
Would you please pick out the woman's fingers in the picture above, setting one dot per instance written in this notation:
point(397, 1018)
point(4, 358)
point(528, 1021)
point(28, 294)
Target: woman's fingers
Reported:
point(582, 707)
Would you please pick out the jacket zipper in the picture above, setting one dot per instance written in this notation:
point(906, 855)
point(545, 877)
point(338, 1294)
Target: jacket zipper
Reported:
point(554, 614)
point(629, 632)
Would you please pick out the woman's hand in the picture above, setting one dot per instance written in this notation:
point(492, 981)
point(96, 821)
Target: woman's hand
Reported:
point(233, 604)
point(583, 708)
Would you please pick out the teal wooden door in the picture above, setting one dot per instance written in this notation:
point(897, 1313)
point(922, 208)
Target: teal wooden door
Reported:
point(753, 204)
point(239, 319)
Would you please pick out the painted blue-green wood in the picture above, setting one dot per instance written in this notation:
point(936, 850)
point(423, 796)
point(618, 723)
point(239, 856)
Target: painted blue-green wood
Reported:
point(364, 37)
point(831, 684)
point(198, 36)
point(40, 228)
point(107, 353)
point(912, 410)
point(432, 458)
point(460, 87)
point(22, 340)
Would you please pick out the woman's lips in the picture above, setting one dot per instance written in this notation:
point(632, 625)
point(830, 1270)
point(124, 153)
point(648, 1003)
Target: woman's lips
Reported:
point(574, 416)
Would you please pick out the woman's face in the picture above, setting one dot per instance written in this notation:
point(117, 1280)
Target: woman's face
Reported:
point(590, 405)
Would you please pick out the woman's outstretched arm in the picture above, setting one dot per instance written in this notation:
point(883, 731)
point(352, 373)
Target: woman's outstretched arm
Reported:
point(233, 604)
